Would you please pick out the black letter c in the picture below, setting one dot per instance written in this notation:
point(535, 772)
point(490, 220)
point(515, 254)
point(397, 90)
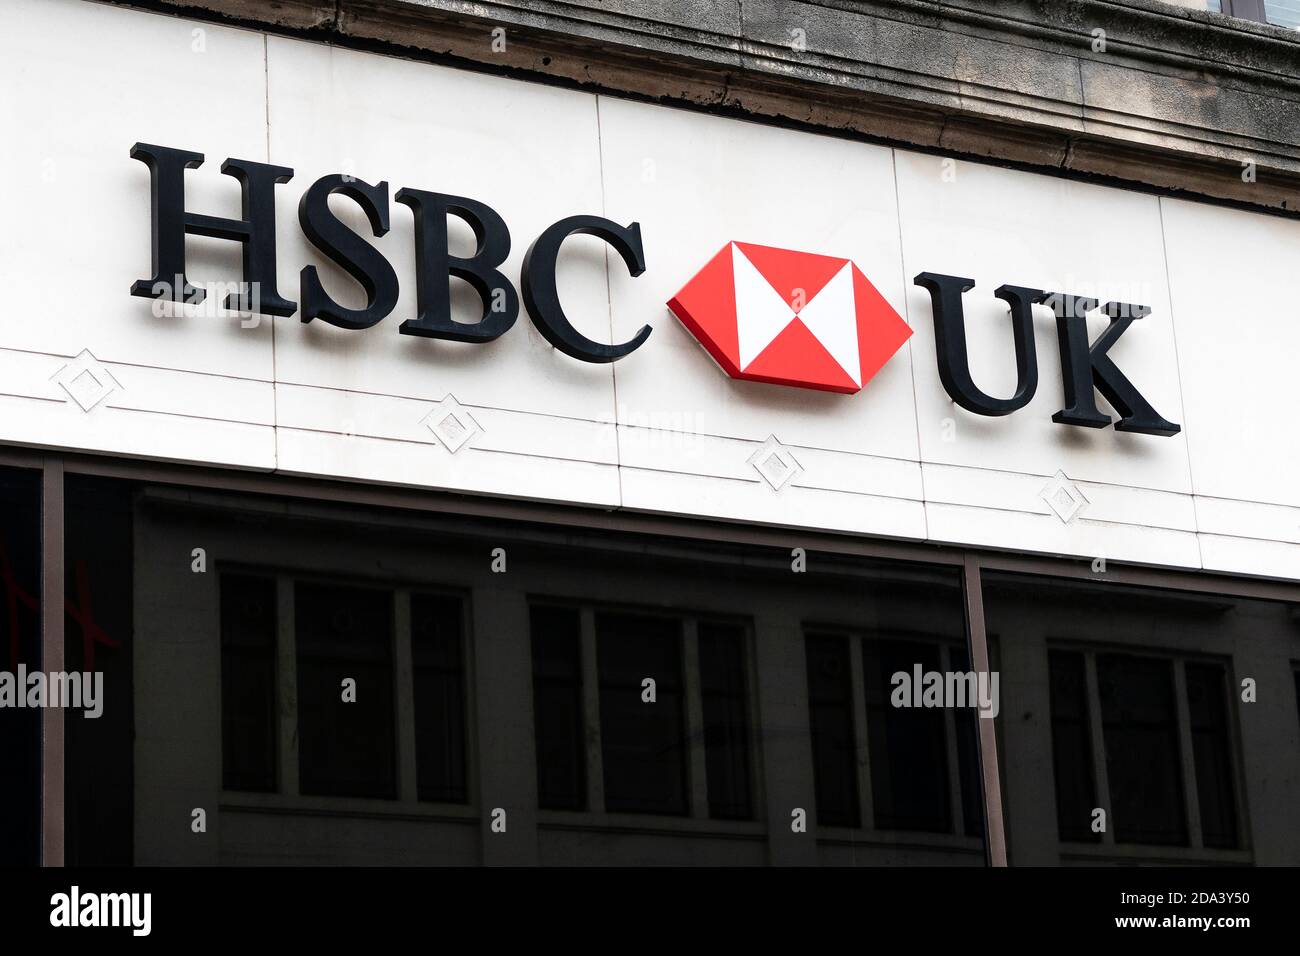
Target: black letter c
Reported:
point(543, 301)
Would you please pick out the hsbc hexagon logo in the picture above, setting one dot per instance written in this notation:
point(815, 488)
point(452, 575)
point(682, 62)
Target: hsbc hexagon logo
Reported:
point(790, 318)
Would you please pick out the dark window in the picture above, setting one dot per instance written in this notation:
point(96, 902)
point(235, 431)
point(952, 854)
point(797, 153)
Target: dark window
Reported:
point(1207, 706)
point(437, 660)
point(1297, 690)
point(830, 704)
point(557, 708)
point(345, 748)
point(20, 643)
point(642, 744)
point(909, 755)
point(1141, 736)
point(726, 729)
point(248, 699)
point(1076, 795)
point(99, 754)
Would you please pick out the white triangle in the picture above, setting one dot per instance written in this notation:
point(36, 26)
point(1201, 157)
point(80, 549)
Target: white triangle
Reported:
point(761, 313)
point(832, 317)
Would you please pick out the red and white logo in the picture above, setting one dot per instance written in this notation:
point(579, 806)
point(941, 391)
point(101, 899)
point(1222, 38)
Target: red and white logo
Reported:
point(790, 318)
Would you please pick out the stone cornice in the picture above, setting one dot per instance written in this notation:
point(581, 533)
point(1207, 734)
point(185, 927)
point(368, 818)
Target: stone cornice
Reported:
point(1177, 100)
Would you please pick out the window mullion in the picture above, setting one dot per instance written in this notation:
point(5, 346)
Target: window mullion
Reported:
point(404, 698)
point(287, 697)
point(697, 763)
point(956, 818)
point(862, 749)
point(1187, 755)
point(591, 713)
point(1246, 10)
point(1101, 779)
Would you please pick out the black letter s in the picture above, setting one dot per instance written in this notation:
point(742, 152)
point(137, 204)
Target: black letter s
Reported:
point(358, 258)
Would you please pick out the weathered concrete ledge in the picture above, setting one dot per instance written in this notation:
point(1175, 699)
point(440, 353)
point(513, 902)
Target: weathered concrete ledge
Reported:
point(1137, 91)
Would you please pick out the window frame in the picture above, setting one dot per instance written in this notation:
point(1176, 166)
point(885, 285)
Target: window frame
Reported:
point(1107, 846)
point(697, 815)
point(287, 793)
point(866, 831)
point(1252, 10)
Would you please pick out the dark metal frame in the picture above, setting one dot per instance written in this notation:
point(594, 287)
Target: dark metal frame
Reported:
point(1244, 10)
point(973, 562)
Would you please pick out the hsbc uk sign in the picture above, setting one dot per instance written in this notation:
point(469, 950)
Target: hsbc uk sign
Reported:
point(764, 314)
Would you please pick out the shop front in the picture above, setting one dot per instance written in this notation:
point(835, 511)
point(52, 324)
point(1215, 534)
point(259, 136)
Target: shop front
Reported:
point(441, 465)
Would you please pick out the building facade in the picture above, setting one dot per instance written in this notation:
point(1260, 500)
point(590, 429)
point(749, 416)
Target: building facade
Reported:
point(795, 353)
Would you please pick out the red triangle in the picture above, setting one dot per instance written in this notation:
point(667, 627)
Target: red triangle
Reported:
point(881, 330)
point(794, 275)
point(795, 357)
point(707, 307)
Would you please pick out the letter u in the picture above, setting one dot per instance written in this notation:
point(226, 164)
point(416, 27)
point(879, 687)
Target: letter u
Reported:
point(950, 343)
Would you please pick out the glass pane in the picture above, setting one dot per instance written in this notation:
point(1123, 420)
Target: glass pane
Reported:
point(557, 708)
point(908, 744)
point(1296, 675)
point(346, 738)
point(830, 706)
point(1139, 724)
point(99, 625)
point(726, 728)
point(20, 645)
point(1283, 13)
point(1207, 706)
point(1076, 793)
point(643, 743)
point(436, 639)
point(249, 726)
